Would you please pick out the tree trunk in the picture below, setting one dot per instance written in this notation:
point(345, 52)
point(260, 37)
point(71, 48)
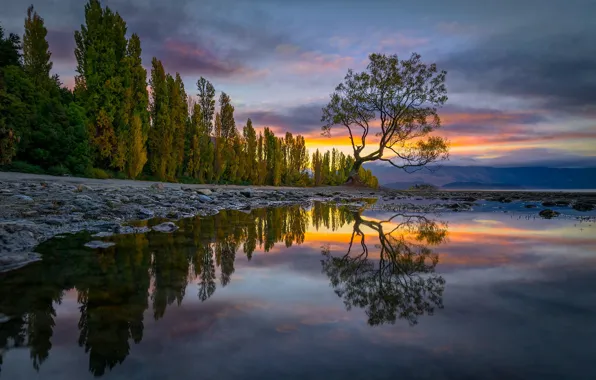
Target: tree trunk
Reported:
point(353, 178)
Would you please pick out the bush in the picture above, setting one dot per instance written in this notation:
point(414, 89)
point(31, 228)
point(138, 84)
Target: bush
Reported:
point(120, 175)
point(23, 167)
point(99, 174)
point(58, 170)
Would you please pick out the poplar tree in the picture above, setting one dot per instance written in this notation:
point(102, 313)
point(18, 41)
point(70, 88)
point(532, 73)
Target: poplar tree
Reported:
point(250, 137)
point(100, 51)
point(219, 165)
point(36, 53)
point(194, 152)
point(160, 136)
point(136, 103)
point(206, 100)
point(138, 151)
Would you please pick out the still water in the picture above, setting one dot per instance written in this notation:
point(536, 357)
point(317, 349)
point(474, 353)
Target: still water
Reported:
point(326, 292)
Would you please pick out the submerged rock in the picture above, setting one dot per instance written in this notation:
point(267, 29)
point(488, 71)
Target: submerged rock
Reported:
point(165, 227)
point(583, 206)
point(103, 234)
point(95, 244)
point(548, 204)
point(548, 213)
point(530, 206)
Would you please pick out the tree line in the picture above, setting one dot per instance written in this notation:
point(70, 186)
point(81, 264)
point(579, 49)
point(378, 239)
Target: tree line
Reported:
point(115, 122)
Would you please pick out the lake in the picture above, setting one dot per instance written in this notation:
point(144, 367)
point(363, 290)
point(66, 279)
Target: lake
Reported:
point(327, 292)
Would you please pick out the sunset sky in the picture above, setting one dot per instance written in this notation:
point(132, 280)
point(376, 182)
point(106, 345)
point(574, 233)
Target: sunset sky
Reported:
point(521, 74)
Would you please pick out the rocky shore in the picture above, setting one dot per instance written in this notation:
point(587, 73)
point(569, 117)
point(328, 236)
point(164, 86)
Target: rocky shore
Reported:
point(36, 208)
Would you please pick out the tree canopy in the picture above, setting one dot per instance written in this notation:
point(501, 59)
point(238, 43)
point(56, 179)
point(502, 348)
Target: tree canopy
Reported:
point(391, 108)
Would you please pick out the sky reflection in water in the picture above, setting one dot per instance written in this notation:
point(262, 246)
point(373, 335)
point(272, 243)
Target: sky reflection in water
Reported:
point(320, 293)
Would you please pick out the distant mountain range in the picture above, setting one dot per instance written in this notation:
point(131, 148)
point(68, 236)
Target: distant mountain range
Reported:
point(486, 177)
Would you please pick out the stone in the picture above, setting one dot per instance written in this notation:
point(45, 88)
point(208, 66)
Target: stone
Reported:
point(562, 203)
point(103, 234)
point(579, 206)
point(166, 227)
point(145, 213)
point(246, 192)
point(548, 213)
point(95, 244)
point(84, 198)
point(80, 188)
point(22, 198)
point(530, 206)
point(204, 191)
point(157, 186)
point(548, 204)
point(4, 318)
point(55, 221)
point(205, 199)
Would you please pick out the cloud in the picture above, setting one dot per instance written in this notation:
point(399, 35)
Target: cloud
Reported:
point(192, 59)
point(303, 119)
point(466, 120)
point(555, 70)
point(546, 157)
point(298, 61)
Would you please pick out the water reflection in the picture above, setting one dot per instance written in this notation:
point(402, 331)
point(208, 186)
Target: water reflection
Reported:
point(401, 282)
point(116, 286)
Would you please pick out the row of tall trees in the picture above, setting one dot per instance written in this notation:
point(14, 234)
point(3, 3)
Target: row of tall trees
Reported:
point(115, 120)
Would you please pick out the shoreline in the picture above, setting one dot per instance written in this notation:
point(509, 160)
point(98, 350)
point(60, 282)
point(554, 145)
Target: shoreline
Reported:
point(35, 208)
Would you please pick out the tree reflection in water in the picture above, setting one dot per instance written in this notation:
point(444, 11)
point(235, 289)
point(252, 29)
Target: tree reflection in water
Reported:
point(115, 287)
point(398, 282)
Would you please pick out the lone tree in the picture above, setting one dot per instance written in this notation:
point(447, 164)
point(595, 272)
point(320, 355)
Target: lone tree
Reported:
point(404, 96)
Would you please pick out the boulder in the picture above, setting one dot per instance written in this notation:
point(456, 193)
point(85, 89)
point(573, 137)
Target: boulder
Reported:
point(580, 206)
point(204, 191)
point(548, 204)
point(548, 213)
point(530, 206)
point(165, 227)
point(157, 186)
point(246, 192)
point(95, 244)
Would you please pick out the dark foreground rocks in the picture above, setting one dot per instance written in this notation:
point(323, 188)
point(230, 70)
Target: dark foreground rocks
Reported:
point(548, 213)
point(33, 211)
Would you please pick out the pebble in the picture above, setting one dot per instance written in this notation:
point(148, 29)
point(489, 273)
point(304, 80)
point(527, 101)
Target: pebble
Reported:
point(99, 244)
